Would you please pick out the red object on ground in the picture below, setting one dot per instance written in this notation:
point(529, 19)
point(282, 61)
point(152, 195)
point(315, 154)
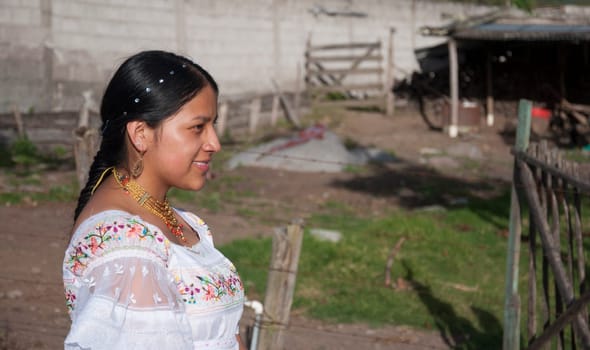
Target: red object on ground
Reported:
point(538, 112)
point(313, 132)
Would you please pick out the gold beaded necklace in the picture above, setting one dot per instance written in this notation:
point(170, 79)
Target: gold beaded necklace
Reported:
point(161, 209)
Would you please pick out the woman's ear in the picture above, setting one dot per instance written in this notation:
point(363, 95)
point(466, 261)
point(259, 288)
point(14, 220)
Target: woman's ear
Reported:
point(139, 134)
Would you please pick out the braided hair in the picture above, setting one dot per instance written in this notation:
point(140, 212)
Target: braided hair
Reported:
point(149, 86)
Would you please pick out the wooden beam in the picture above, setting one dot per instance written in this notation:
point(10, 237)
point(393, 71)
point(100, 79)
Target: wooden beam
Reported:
point(511, 340)
point(346, 71)
point(389, 79)
point(550, 250)
point(490, 90)
point(343, 88)
point(286, 248)
point(454, 88)
point(356, 62)
point(572, 311)
point(344, 46)
point(376, 57)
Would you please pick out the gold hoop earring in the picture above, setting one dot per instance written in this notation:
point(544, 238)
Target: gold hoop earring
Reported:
point(137, 168)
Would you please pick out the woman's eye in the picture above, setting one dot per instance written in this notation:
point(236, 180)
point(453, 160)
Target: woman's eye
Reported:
point(199, 127)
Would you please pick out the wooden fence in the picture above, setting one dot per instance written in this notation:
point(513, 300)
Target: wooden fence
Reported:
point(350, 74)
point(243, 115)
point(557, 293)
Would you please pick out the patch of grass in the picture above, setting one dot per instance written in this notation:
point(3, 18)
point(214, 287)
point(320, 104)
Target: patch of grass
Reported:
point(5, 156)
point(246, 212)
point(355, 169)
point(210, 201)
point(59, 193)
point(577, 155)
point(182, 196)
point(450, 270)
point(11, 198)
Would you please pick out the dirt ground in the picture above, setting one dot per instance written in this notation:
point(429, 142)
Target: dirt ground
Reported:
point(34, 236)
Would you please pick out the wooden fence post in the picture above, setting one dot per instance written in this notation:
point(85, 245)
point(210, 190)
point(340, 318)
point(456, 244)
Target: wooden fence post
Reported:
point(85, 139)
point(274, 114)
point(254, 113)
point(18, 119)
point(389, 80)
point(222, 121)
point(511, 339)
point(286, 247)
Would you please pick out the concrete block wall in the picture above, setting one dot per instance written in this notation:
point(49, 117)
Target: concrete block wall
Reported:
point(53, 50)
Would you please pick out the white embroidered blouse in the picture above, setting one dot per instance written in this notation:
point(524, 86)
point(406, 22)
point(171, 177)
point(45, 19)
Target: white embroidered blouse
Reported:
point(128, 287)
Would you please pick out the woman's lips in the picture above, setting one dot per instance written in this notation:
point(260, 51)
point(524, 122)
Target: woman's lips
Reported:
point(204, 166)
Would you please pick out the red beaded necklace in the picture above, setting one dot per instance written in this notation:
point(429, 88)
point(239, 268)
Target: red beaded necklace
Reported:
point(161, 209)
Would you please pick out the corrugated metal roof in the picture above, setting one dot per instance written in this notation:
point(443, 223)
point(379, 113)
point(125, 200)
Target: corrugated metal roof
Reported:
point(512, 31)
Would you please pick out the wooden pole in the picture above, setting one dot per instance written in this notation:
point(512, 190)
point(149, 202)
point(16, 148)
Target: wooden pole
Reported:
point(297, 97)
point(307, 68)
point(274, 113)
point(18, 119)
point(454, 86)
point(511, 340)
point(291, 117)
point(86, 139)
point(490, 91)
point(286, 247)
point(254, 114)
point(389, 81)
point(565, 288)
point(222, 121)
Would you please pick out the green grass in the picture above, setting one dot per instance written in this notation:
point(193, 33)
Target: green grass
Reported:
point(453, 261)
point(60, 193)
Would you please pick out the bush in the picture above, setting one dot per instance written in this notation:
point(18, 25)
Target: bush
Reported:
point(24, 153)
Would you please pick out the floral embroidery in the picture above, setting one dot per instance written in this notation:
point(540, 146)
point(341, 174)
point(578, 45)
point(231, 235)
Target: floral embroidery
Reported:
point(97, 240)
point(189, 292)
point(70, 299)
point(213, 287)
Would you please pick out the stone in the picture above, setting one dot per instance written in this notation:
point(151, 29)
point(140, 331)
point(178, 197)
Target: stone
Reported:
point(326, 235)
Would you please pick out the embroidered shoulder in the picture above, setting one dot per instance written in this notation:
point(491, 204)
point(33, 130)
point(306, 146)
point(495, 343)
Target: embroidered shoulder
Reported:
point(102, 235)
point(198, 223)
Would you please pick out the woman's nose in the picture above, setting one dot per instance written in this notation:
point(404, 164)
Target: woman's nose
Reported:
point(213, 144)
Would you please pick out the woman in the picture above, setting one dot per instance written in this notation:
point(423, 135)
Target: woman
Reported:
point(138, 273)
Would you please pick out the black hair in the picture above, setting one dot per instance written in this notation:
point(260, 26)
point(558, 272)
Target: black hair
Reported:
point(149, 86)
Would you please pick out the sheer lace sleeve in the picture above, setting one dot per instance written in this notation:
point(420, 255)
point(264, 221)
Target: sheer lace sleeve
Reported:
point(119, 291)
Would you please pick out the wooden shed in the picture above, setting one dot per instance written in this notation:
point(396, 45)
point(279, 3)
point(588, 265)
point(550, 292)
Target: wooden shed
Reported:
point(507, 55)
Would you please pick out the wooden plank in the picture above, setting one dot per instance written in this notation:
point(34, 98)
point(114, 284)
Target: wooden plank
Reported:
point(377, 102)
point(575, 181)
point(545, 278)
point(376, 44)
point(454, 88)
point(489, 90)
point(532, 283)
point(570, 252)
point(355, 71)
point(291, 117)
point(511, 338)
point(553, 214)
point(255, 105)
point(553, 255)
point(389, 79)
point(572, 311)
point(376, 57)
point(355, 63)
point(286, 248)
point(344, 88)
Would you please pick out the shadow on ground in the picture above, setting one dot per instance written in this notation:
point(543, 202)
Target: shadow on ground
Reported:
point(415, 186)
point(458, 332)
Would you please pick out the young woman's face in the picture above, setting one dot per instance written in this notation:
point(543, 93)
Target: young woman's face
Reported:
point(183, 146)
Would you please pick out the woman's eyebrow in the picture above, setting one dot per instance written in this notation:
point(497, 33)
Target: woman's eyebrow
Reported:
point(201, 118)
